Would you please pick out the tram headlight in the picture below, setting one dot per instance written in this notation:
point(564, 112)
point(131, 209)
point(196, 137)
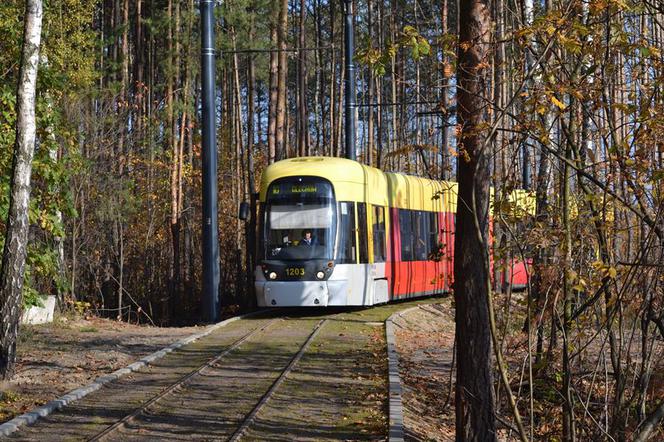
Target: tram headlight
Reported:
point(273, 275)
point(320, 275)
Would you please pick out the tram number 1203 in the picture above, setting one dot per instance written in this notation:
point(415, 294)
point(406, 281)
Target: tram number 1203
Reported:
point(295, 271)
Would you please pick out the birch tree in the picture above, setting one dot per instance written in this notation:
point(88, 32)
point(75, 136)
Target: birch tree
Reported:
point(15, 248)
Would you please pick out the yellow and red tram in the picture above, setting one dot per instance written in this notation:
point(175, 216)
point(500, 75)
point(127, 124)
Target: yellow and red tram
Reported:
point(334, 232)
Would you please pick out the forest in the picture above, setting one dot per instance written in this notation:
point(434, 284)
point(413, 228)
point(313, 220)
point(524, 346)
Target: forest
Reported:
point(560, 99)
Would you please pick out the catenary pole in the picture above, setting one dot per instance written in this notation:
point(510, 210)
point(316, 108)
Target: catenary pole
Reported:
point(349, 52)
point(210, 295)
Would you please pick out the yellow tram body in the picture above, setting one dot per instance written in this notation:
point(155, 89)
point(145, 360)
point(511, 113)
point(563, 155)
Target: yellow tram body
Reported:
point(400, 222)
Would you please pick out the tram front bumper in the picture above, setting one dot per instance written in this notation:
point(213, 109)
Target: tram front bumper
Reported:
point(292, 293)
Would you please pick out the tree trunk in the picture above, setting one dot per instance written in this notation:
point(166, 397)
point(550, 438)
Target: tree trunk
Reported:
point(443, 97)
point(369, 157)
point(250, 226)
point(274, 89)
point(340, 104)
point(139, 67)
point(239, 153)
point(475, 419)
point(303, 117)
point(394, 138)
point(333, 67)
point(171, 145)
point(568, 295)
point(319, 97)
point(282, 90)
point(16, 239)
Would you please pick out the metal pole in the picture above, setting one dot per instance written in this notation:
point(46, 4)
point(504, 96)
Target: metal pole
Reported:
point(349, 52)
point(210, 295)
point(526, 164)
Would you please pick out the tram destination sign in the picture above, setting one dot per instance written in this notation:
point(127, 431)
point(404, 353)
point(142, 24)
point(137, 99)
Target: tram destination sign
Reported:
point(299, 188)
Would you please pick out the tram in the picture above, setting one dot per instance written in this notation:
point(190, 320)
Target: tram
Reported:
point(334, 232)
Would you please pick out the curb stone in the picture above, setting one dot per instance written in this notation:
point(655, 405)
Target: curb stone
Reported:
point(33, 416)
point(396, 433)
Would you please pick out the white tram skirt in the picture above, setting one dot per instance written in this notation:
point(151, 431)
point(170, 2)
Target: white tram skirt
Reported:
point(292, 294)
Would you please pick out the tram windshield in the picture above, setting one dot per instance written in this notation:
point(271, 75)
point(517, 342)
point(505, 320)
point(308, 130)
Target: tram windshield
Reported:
point(300, 219)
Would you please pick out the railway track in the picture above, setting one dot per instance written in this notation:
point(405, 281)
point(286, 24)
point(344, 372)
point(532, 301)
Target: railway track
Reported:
point(251, 417)
point(297, 377)
point(171, 389)
point(190, 407)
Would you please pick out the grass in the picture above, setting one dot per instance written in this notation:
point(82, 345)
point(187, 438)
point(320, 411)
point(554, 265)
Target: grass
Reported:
point(88, 329)
point(9, 396)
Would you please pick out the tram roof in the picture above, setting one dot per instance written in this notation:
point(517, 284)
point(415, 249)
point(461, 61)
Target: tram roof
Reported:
point(354, 181)
point(331, 168)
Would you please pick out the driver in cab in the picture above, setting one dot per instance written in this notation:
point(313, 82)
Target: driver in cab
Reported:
point(307, 239)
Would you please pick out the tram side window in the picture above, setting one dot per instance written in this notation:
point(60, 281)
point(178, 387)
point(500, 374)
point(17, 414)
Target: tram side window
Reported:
point(420, 240)
point(433, 234)
point(379, 233)
point(406, 233)
point(346, 253)
point(362, 232)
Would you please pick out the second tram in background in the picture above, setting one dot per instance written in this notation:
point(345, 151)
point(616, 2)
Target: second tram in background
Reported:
point(334, 232)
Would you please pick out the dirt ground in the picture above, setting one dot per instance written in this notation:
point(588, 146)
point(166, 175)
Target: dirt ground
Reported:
point(53, 359)
point(425, 342)
point(56, 358)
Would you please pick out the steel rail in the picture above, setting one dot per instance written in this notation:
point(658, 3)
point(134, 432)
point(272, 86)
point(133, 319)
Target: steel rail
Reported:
point(180, 382)
point(251, 417)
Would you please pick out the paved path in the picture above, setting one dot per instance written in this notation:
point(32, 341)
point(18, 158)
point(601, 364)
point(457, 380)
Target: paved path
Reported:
point(425, 343)
point(282, 375)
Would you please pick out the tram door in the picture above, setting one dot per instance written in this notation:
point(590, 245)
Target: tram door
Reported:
point(364, 268)
point(404, 273)
point(394, 255)
point(378, 247)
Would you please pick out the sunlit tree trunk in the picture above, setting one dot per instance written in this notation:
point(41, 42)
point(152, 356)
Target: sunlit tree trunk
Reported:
point(250, 226)
point(274, 90)
point(338, 121)
point(238, 139)
point(16, 234)
point(282, 90)
point(370, 86)
point(444, 95)
point(319, 97)
point(333, 140)
point(303, 114)
point(394, 138)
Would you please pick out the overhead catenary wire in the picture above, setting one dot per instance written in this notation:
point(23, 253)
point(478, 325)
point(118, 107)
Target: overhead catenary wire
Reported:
point(404, 103)
point(268, 50)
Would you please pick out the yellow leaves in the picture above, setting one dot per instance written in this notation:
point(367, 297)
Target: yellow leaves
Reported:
point(448, 70)
point(654, 52)
point(482, 65)
point(465, 45)
point(580, 286)
point(558, 103)
point(605, 270)
point(621, 4)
